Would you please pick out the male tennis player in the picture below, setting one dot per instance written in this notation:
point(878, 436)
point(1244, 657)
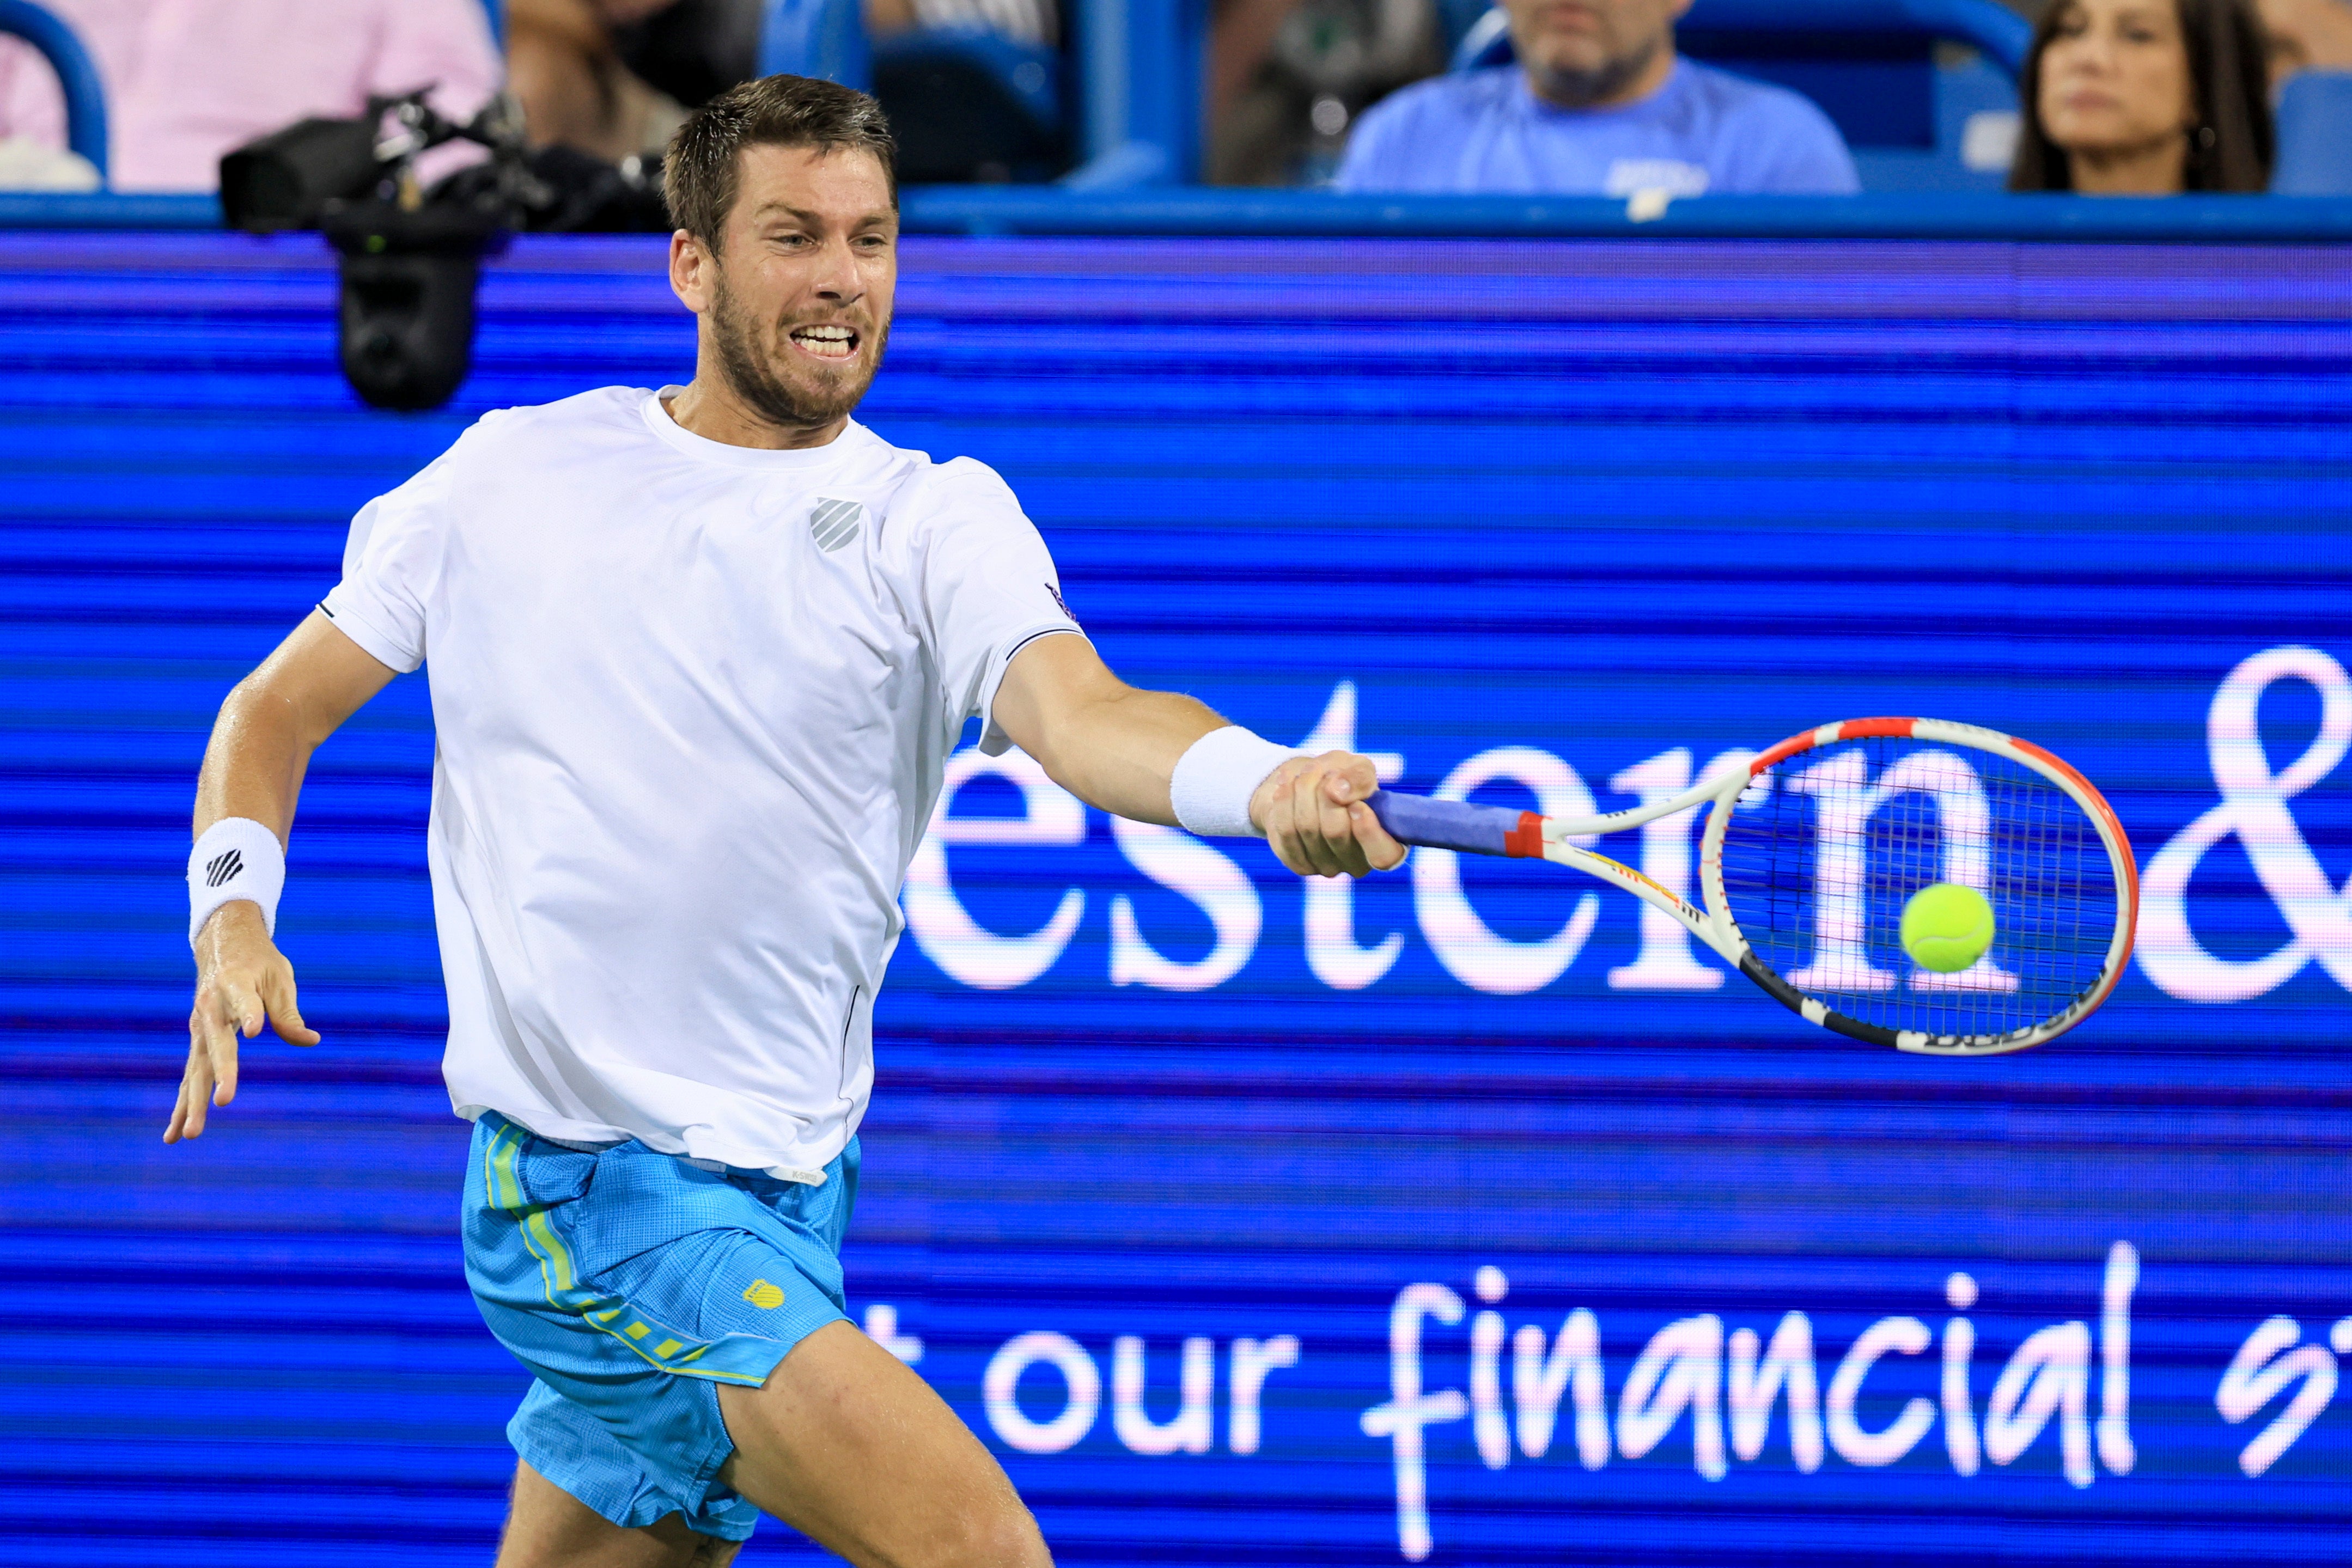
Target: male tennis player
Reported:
point(698, 656)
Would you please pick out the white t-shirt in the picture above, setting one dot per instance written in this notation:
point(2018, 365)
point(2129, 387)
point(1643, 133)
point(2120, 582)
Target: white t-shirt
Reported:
point(692, 702)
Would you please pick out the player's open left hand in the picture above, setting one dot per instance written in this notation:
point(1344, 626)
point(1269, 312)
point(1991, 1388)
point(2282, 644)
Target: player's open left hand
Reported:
point(1313, 813)
point(241, 980)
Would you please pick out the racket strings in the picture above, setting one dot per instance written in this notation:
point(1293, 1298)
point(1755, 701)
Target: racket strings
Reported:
point(1822, 853)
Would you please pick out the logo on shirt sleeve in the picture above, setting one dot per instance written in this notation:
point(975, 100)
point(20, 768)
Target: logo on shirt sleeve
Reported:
point(1060, 603)
point(834, 523)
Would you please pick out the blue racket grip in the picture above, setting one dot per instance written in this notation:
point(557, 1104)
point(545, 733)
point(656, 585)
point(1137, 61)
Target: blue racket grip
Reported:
point(1456, 825)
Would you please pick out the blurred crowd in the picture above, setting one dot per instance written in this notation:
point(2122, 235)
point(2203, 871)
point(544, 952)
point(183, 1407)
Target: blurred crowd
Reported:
point(1562, 96)
point(2117, 98)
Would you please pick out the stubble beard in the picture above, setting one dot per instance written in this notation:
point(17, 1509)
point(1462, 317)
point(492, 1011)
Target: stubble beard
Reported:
point(1578, 89)
point(750, 367)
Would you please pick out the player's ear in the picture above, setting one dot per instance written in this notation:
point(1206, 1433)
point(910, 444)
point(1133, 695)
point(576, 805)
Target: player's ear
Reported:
point(690, 265)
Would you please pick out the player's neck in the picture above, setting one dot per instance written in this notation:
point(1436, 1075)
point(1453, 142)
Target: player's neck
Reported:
point(707, 407)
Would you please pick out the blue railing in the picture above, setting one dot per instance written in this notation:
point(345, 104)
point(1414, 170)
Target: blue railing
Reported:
point(1200, 212)
point(1141, 73)
point(85, 94)
point(1012, 210)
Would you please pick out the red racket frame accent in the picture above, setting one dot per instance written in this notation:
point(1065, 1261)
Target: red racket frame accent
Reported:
point(1830, 735)
point(1525, 841)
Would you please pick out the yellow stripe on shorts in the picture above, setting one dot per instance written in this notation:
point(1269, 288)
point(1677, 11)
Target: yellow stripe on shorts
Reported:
point(560, 1280)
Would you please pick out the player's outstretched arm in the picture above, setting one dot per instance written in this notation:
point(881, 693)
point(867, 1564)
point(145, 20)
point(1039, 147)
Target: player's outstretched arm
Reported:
point(253, 770)
point(1119, 748)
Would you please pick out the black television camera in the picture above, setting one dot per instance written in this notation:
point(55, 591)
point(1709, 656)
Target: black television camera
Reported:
point(410, 257)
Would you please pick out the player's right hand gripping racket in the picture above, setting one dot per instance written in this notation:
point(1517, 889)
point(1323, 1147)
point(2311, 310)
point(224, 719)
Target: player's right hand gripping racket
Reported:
point(1813, 850)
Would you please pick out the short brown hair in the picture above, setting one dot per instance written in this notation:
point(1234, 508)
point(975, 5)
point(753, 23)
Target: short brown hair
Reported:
point(2234, 143)
point(703, 167)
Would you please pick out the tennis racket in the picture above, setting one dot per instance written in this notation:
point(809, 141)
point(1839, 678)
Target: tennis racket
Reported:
point(1811, 850)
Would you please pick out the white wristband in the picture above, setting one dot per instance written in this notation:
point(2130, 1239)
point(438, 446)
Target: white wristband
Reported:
point(236, 858)
point(1214, 779)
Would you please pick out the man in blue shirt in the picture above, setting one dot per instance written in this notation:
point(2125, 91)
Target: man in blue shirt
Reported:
point(1598, 105)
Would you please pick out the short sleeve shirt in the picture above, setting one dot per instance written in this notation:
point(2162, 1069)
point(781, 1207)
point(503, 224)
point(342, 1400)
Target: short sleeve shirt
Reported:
point(1704, 131)
point(692, 704)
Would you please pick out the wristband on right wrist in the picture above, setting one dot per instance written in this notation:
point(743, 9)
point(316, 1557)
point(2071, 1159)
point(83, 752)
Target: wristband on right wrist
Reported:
point(236, 858)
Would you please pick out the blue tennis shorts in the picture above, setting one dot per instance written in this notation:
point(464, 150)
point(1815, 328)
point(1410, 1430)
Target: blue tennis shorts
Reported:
point(632, 1283)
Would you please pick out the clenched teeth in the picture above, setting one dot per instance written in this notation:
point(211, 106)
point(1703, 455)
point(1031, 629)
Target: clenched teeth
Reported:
point(827, 342)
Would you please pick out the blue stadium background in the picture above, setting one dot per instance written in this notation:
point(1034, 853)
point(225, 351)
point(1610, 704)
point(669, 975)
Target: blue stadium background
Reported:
point(1603, 499)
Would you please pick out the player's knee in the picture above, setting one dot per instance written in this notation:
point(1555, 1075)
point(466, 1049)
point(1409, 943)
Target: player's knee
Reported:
point(1002, 1537)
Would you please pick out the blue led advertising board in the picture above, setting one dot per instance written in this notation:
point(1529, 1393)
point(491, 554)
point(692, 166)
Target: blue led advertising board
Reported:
point(1465, 1215)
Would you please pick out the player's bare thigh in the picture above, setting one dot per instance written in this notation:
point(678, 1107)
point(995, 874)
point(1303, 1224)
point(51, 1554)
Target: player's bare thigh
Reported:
point(548, 1528)
point(847, 1445)
point(842, 1442)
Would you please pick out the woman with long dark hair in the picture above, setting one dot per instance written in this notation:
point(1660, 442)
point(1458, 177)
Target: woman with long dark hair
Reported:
point(2145, 98)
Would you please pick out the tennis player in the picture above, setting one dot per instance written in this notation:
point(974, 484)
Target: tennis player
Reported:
point(698, 658)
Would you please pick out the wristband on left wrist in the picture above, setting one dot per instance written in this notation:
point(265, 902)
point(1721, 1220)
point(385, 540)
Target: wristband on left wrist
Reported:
point(1218, 776)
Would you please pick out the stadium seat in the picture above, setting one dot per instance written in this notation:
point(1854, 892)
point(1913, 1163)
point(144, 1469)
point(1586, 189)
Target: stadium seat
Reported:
point(816, 39)
point(1456, 17)
point(971, 104)
point(1871, 67)
point(85, 93)
point(965, 103)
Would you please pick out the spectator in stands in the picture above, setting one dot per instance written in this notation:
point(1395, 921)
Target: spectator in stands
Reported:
point(564, 62)
point(1023, 21)
point(1287, 77)
point(2310, 68)
point(2145, 98)
point(2308, 35)
point(615, 77)
point(1598, 104)
point(187, 81)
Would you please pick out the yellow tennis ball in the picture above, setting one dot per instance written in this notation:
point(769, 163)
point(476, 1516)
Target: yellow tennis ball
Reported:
point(1947, 928)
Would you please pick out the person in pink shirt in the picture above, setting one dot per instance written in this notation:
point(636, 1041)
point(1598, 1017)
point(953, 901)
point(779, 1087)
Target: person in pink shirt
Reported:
point(187, 81)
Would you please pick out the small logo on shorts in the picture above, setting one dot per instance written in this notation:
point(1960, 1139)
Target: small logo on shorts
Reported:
point(760, 1294)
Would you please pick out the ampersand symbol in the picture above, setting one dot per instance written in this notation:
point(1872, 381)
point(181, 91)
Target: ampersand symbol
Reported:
point(2253, 807)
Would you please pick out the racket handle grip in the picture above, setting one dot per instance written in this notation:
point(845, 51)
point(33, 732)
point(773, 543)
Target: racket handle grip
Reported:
point(1446, 824)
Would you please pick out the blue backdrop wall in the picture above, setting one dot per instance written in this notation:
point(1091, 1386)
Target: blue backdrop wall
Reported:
point(1446, 1216)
